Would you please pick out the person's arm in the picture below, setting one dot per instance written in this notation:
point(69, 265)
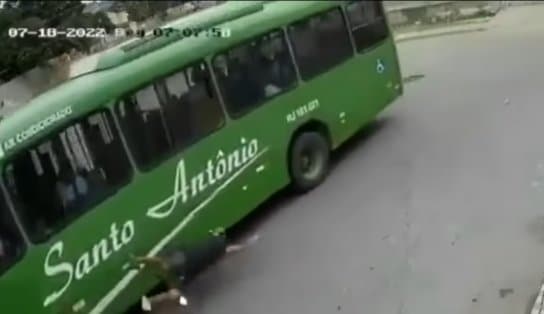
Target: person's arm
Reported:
point(161, 267)
point(152, 260)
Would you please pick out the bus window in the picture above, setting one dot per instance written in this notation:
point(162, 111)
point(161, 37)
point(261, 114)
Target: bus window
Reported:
point(61, 178)
point(367, 22)
point(144, 124)
point(11, 243)
point(320, 43)
point(191, 105)
point(172, 113)
point(253, 72)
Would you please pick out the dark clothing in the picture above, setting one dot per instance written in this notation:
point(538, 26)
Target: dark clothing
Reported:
point(186, 263)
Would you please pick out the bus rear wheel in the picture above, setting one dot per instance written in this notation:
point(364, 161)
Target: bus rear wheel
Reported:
point(309, 160)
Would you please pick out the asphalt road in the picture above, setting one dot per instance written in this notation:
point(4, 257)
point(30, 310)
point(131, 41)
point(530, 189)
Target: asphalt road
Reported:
point(439, 208)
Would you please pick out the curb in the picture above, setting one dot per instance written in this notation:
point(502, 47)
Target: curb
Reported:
point(406, 37)
point(538, 307)
point(465, 27)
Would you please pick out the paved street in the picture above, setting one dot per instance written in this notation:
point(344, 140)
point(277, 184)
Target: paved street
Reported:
point(439, 209)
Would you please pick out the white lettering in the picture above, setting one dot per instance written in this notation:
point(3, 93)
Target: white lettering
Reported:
point(302, 111)
point(244, 154)
point(37, 127)
point(107, 299)
point(234, 160)
point(59, 269)
point(221, 168)
point(181, 180)
point(128, 232)
point(253, 148)
point(113, 236)
point(291, 117)
point(9, 144)
point(214, 171)
point(83, 266)
point(209, 171)
point(19, 137)
point(101, 251)
point(198, 184)
point(88, 261)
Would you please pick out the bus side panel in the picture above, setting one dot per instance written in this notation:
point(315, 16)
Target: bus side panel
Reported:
point(268, 174)
point(348, 97)
point(222, 203)
point(154, 211)
point(21, 288)
point(88, 261)
point(379, 70)
point(327, 98)
point(353, 93)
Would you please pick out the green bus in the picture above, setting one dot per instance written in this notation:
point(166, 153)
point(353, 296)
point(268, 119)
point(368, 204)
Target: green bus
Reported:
point(177, 134)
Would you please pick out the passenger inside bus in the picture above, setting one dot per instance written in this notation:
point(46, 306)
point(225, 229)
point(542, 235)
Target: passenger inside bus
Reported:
point(275, 65)
point(61, 178)
point(141, 113)
point(172, 93)
point(72, 188)
point(239, 84)
point(9, 250)
point(30, 181)
point(11, 244)
point(253, 72)
point(201, 94)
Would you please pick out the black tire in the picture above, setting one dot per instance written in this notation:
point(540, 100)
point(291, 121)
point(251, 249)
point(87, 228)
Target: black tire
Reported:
point(309, 157)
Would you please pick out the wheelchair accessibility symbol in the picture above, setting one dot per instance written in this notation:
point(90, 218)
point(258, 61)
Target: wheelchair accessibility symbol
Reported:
point(380, 67)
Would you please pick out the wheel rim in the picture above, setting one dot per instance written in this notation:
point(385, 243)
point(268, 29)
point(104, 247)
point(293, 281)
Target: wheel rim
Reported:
point(311, 163)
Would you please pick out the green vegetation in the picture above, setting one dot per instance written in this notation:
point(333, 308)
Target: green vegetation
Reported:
point(19, 55)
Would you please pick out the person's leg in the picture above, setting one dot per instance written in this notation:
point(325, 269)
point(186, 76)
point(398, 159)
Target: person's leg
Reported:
point(236, 247)
point(183, 265)
point(173, 294)
point(203, 255)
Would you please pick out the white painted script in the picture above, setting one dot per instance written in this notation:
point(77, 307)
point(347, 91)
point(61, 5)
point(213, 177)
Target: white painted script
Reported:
point(302, 111)
point(221, 166)
point(86, 263)
point(35, 129)
point(122, 284)
point(216, 169)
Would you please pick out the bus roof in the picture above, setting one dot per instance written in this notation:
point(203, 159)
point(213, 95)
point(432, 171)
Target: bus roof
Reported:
point(94, 90)
point(201, 20)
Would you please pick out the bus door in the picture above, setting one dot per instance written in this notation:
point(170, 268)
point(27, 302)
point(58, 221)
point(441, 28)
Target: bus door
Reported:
point(378, 65)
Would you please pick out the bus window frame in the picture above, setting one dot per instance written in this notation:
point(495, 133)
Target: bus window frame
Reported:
point(343, 14)
point(59, 228)
point(224, 51)
point(174, 151)
point(16, 220)
point(352, 29)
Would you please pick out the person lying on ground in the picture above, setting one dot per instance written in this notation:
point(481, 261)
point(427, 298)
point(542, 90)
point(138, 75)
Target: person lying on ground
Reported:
point(177, 267)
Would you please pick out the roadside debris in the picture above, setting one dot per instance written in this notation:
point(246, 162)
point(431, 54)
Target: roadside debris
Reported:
point(412, 78)
point(503, 293)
